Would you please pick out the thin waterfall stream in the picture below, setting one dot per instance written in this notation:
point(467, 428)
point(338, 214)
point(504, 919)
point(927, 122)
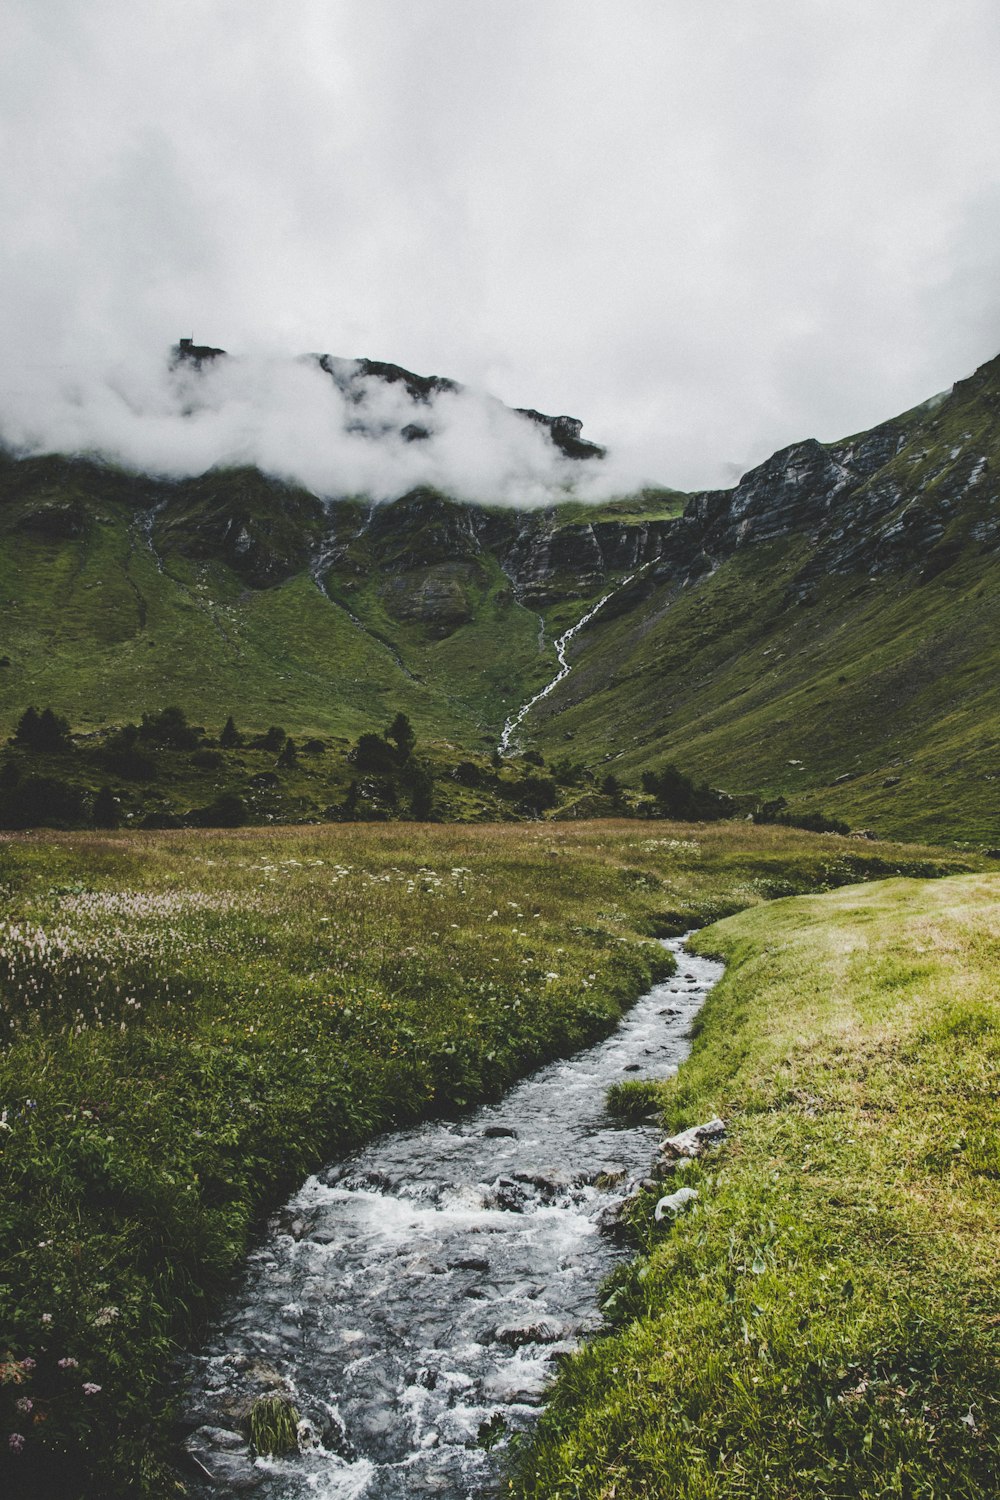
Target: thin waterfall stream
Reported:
point(565, 666)
point(417, 1296)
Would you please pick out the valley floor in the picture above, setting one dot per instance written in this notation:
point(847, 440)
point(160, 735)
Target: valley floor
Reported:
point(193, 1021)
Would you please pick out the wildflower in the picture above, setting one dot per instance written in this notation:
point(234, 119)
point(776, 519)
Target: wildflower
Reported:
point(90, 1389)
point(46, 1317)
point(15, 1442)
point(28, 1364)
point(24, 1403)
point(105, 1315)
point(68, 1364)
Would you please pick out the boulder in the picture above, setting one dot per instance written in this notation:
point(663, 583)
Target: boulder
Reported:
point(674, 1203)
point(694, 1141)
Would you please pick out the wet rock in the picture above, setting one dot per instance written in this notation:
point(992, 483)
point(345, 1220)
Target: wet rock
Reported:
point(220, 1437)
point(469, 1263)
point(611, 1175)
point(226, 1466)
point(285, 1222)
point(307, 1437)
point(515, 1335)
point(549, 1185)
point(507, 1195)
point(610, 1220)
point(495, 1132)
point(513, 1388)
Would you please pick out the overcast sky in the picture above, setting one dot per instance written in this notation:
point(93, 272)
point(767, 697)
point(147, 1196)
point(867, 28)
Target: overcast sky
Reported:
point(706, 227)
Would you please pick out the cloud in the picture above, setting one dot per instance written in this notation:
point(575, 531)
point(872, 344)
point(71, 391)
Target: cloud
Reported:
point(706, 229)
point(355, 434)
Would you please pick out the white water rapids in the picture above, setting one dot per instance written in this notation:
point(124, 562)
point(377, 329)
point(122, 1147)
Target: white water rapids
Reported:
point(428, 1285)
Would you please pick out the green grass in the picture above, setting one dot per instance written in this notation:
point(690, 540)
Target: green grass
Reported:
point(824, 1323)
point(192, 1022)
point(870, 684)
point(272, 1426)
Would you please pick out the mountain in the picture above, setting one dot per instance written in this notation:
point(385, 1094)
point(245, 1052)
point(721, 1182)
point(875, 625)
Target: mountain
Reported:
point(825, 632)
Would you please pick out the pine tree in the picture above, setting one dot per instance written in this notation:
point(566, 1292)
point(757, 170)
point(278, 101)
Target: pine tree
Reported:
point(230, 738)
point(26, 733)
point(402, 734)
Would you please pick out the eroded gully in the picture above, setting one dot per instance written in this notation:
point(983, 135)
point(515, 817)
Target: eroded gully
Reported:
point(420, 1293)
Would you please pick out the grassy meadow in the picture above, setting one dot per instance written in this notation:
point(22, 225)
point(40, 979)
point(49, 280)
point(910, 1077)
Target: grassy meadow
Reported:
point(192, 1021)
point(824, 1322)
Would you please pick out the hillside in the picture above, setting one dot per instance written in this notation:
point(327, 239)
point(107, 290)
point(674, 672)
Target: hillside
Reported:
point(825, 632)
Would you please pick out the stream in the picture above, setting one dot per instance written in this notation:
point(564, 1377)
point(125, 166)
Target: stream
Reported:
point(424, 1289)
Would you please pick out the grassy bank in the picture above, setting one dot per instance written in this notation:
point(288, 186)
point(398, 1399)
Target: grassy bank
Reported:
point(193, 1021)
point(824, 1323)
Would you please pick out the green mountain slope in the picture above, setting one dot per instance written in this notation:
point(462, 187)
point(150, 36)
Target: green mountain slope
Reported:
point(826, 632)
point(849, 663)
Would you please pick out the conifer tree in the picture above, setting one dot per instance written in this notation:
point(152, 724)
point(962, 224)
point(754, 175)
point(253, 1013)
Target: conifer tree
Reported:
point(402, 734)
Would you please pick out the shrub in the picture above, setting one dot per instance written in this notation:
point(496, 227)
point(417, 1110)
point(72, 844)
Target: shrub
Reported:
point(272, 740)
point(207, 760)
point(373, 753)
point(677, 796)
point(227, 811)
point(42, 802)
point(536, 793)
point(170, 729)
point(123, 755)
point(467, 773)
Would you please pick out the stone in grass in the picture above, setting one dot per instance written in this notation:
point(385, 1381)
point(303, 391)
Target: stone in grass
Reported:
point(674, 1203)
point(694, 1141)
